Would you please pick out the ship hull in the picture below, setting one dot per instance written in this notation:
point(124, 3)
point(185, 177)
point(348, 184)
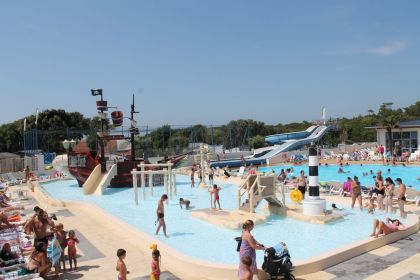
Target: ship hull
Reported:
point(81, 165)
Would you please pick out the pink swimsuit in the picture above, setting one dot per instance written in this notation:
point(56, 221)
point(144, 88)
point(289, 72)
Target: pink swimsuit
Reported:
point(392, 226)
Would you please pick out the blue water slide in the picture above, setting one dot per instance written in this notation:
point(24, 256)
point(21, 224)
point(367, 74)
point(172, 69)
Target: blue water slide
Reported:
point(289, 145)
point(283, 137)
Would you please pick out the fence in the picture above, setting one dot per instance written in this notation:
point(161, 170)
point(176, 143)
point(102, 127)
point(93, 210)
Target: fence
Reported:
point(11, 165)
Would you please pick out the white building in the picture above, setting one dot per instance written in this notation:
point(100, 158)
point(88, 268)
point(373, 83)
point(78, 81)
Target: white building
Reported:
point(406, 135)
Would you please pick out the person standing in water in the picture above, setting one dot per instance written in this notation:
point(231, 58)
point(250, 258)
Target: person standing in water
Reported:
point(216, 198)
point(160, 212)
point(356, 193)
point(211, 176)
point(192, 178)
point(401, 197)
point(301, 183)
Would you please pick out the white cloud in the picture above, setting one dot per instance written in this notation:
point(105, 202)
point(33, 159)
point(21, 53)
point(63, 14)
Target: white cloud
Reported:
point(389, 48)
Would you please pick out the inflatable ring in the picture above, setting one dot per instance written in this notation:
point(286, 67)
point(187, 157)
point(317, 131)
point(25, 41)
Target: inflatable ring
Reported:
point(296, 196)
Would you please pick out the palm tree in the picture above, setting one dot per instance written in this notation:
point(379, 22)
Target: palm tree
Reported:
point(389, 119)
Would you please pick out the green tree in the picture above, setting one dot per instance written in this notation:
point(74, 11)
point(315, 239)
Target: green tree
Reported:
point(389, 119)
point(257, 141)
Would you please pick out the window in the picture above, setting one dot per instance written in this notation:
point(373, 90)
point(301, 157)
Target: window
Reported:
point(406, 140)
point(405, 135)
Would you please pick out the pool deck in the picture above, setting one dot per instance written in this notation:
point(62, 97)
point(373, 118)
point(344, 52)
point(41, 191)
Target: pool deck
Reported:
point(102, 234)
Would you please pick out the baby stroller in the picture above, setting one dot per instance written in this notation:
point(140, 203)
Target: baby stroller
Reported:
point(277, 262)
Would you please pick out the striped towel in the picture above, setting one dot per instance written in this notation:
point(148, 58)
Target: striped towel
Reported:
point(54, 251)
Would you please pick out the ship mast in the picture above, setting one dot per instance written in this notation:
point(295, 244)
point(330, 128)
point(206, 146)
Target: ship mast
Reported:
point(133, 130)
point(102, 106)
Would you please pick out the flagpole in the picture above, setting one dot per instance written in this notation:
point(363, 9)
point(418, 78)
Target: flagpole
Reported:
point(24, 137)
point(36, 130)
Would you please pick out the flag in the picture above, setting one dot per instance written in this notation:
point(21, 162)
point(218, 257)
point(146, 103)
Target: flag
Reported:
point(24, 124)
point(36, 117)
point(96, 92)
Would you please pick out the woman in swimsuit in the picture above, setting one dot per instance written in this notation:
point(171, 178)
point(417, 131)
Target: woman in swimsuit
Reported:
point(121, 267)
point(248, 248)
point(356, 193)
point(38, 260)
point(386, 228)
point(380, 191)
point(389, 193)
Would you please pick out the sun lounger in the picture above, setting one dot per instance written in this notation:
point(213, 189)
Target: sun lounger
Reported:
point(335, 187)
point(411, 195)
point(11, 180)
point(324, 187)
point(241, 172)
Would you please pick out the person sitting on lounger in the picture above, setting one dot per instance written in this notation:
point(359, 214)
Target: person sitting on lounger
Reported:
point(6, 253)
point(4, 222)
point(185, 202)
point(386, 228)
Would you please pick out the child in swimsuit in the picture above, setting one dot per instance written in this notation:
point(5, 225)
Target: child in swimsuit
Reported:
point(155, 265)
point(246, 265)
point(122, 275)
point(61, 234)
point(71, 244)
point(215, 192)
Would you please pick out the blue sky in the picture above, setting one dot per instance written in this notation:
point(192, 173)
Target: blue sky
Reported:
point(209, 62)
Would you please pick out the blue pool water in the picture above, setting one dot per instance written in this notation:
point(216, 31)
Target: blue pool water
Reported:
point(205, 241)
point(408, 174)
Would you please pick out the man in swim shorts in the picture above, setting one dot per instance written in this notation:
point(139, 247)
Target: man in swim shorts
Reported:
point(301, 183)
point(160, 212)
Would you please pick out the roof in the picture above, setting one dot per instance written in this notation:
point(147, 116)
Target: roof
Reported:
point(414, 123)
point(410, 123)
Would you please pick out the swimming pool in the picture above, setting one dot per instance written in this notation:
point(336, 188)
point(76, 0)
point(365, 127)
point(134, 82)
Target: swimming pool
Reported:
point(408, 174)
point(205, 241)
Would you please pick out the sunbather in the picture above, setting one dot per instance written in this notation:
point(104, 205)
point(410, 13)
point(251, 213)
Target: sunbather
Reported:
point(386, 228)
point(6, 253)
point(4, 222)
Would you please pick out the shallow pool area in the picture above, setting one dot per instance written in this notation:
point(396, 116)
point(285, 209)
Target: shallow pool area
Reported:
point(408, 174)
point(205, 241)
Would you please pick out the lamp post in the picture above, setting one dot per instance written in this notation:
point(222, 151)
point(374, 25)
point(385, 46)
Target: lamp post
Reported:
point(69, 145)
